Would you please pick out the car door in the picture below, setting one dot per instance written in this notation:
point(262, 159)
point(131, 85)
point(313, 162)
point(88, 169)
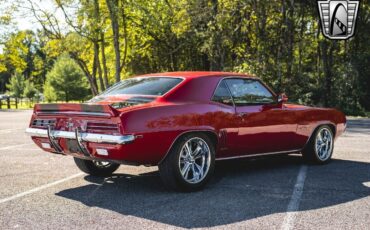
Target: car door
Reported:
point(265, 126)
point(226, 121)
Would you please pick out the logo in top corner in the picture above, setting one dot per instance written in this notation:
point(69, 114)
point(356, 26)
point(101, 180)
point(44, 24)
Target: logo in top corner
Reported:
point(338, 18)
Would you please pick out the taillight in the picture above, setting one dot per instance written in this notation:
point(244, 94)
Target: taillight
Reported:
point(43, 123)
point(100, 127)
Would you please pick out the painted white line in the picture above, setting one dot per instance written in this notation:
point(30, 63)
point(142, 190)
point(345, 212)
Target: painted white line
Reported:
point(14, 146)
point(28, 149)
point(293, 205)
point(19, 195)
point(2, 131)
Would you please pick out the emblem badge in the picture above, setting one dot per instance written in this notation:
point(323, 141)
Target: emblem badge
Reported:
point(338, 18)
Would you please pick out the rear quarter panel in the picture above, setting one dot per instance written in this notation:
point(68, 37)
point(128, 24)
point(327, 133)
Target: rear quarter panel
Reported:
point(158, 127)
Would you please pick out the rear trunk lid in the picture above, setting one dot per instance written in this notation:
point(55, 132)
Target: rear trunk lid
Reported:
point(92, 118)
point(97, 110)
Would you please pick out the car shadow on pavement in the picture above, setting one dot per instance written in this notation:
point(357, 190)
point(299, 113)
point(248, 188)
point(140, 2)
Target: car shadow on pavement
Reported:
point(240, 190)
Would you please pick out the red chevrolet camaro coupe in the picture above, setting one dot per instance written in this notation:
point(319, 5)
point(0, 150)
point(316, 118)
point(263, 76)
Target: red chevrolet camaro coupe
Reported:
point(184, 122)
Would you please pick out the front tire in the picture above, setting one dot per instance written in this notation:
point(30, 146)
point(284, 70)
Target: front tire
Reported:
point(96, 168)
point(320, 147)
point(189, 164)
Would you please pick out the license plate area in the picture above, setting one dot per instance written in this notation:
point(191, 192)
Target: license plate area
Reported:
point(72, 146)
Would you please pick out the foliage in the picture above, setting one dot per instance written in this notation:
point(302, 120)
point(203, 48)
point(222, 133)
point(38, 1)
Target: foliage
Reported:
point(49, 92)
point(279, 41)
point(16, 85)
point(66, 78)
point(29, 90)
point(22, 53)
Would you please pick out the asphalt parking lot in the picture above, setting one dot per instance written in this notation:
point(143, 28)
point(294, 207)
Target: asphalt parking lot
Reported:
point(45, 191)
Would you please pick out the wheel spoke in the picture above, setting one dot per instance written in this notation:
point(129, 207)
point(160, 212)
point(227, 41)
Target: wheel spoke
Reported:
point(200, 169)
point(187, 173)
point(187, 149)
point(320, 151)
point(320, 137)
point(197, 152)
point(195, 174)
point(327, 146)
point(185, 169)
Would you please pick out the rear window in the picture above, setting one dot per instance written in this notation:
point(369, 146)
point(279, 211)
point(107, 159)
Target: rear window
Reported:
point(155, 86)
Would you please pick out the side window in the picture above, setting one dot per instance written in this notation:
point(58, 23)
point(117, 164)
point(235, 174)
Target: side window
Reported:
point(249, 92)
point(222, 94)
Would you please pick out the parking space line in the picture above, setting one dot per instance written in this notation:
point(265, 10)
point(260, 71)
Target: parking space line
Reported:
point(293, 205)
point(10, 130)
point(14, 146)
point(19, 195)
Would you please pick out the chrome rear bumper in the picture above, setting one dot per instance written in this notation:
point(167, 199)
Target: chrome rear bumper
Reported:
point(86, 137)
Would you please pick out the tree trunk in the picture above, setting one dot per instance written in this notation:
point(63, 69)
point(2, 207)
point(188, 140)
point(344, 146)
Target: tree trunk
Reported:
point(95, 41)
point(124, 23)
point(290, 38)
point(216, 60)
point(112, 7)
point(327, 59)
point(85, 69)
point(104, 60)
point(96, 66)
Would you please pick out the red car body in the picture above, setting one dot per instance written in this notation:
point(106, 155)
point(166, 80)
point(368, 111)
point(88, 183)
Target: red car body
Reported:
point(238, 131)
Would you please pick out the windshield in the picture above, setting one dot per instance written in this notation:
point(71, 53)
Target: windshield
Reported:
point(155, 86)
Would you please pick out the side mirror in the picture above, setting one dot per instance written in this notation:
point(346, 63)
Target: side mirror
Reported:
point(282, 98)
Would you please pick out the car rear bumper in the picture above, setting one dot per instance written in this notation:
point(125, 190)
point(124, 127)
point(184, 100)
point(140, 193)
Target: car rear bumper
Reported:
point(86, 137)
point(136, 149)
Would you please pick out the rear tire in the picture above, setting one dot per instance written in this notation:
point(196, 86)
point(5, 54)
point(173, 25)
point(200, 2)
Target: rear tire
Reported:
point(96, 168)
point(189, 164)
point(320, 147)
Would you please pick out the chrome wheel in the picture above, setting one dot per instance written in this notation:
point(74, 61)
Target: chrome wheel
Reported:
point(324, 144)
point(194, 160)
point(102, 164)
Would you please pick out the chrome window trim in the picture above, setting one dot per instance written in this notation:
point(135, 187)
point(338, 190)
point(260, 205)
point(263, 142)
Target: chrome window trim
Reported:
point(214, 91)
point(176, 77)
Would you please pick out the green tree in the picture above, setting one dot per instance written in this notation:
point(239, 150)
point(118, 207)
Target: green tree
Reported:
point(16, 85)
point(67, 79)
point(49, 92)
point(29, 90)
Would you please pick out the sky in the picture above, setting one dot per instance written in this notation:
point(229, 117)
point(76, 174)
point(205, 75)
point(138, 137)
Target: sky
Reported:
point(23, 18)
